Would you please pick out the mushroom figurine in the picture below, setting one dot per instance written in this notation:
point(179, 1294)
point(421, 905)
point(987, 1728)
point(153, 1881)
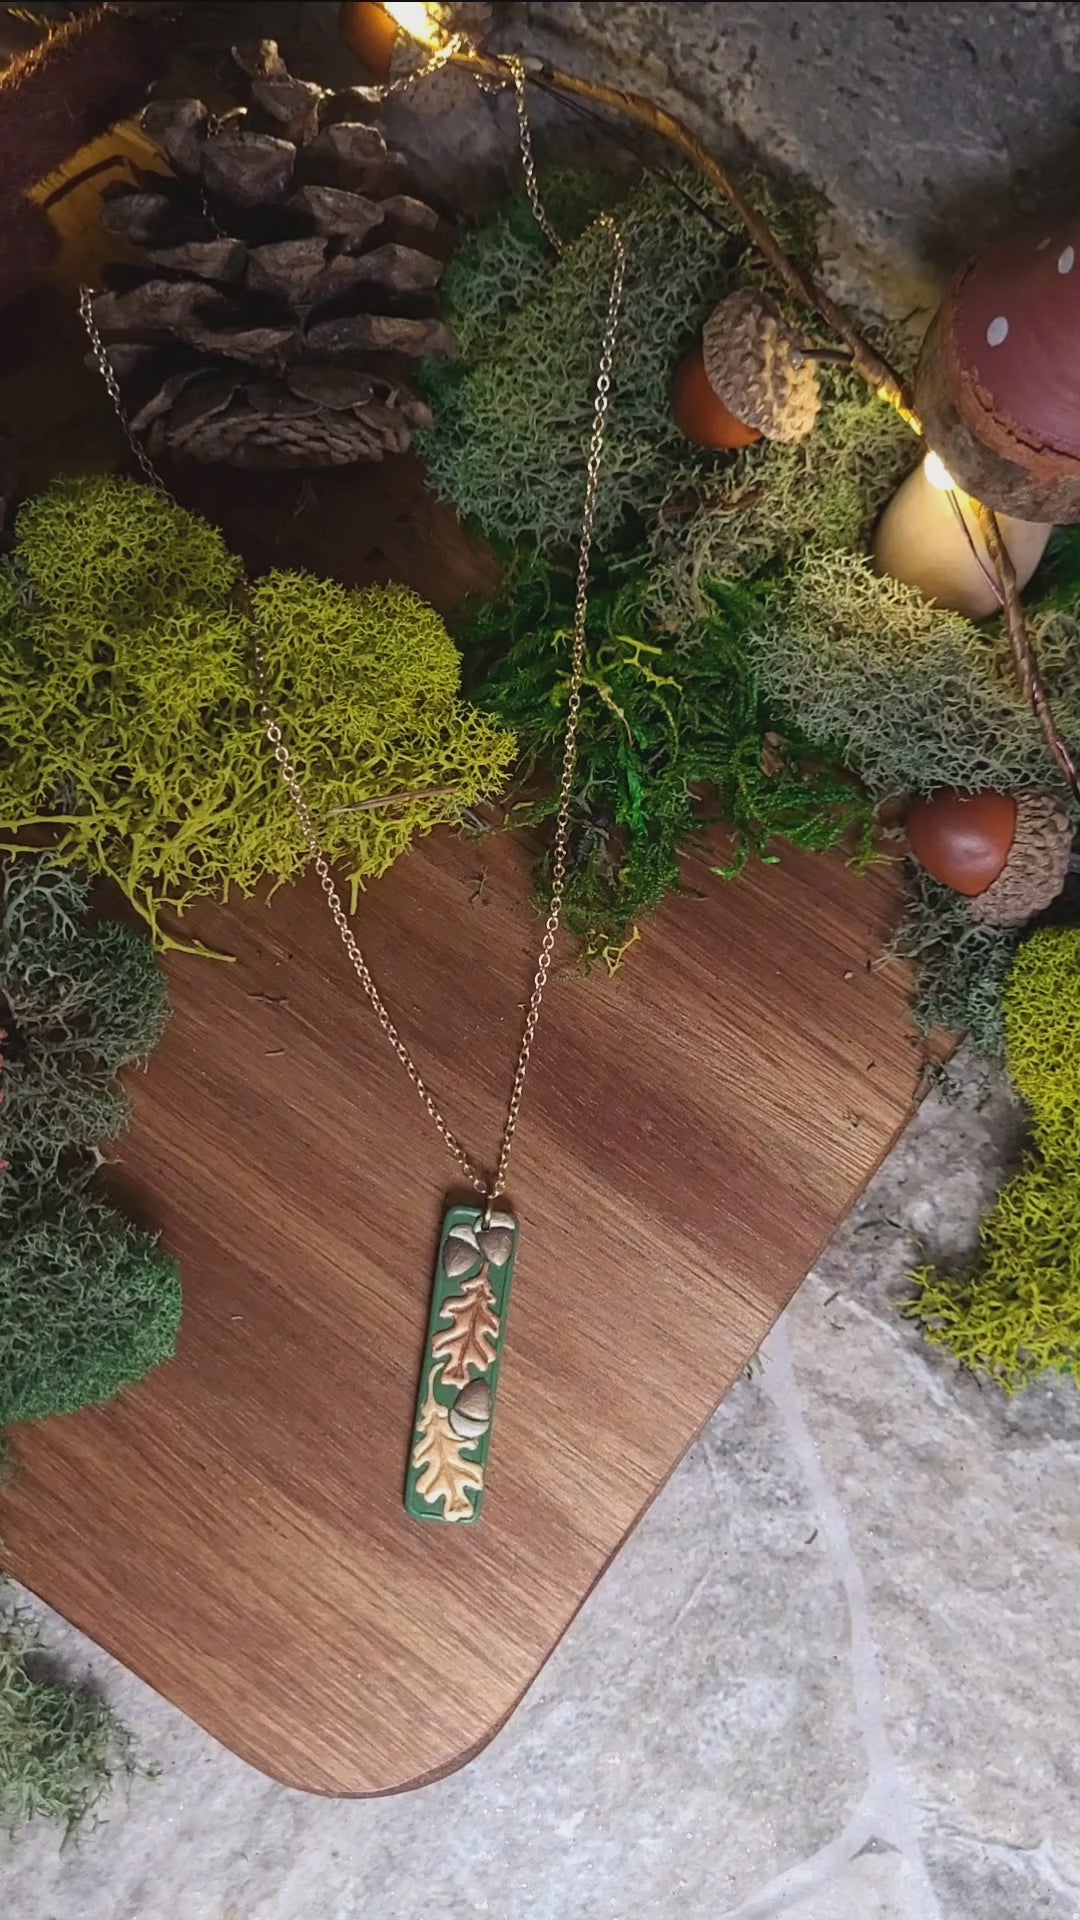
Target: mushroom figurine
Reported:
point(1007, 854)
point(928, 536)
point(998, 380)
point(749, 378)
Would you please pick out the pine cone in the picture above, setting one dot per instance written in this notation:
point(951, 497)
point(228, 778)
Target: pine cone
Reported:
point(287, 277)
point(753, 361)
point(1037, 866)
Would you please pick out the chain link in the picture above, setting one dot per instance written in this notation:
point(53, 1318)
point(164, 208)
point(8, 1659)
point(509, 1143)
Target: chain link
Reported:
point(528, 163)
point(573, 705)
point(348, 940)
point(112, 387)
point(289, 772)
point(441, 57)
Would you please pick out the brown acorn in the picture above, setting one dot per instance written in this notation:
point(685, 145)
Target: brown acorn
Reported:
point(701, 414)
point(755, 367)
point(1006, 853)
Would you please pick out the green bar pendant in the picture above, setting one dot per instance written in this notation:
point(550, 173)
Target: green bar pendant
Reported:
point(456, 1402)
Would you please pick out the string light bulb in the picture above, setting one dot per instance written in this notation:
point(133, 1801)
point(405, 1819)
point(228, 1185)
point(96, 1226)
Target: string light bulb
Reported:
point(938, 473)
point(929, 537)
point(420, 20)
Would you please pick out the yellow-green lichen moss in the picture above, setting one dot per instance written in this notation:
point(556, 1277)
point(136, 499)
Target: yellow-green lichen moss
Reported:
point(129, 710)
point(1016, 1310)
point(1042, 1038)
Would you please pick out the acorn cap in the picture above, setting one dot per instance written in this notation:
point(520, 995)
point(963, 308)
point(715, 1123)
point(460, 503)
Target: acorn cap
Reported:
point(998, 381)
point(753, 364)
point(1036, 868)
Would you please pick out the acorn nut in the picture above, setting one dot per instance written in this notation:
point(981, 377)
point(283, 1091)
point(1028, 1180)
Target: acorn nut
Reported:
point(470, 1415)
point(1007, 854)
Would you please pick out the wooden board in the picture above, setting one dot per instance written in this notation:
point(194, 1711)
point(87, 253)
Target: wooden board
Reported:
point(233, 1529)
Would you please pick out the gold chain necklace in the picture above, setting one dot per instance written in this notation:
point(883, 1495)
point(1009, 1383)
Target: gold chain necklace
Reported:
point(478, 1244)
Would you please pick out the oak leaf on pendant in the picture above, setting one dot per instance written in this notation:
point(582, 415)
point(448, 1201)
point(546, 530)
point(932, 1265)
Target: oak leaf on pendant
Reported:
point(469, 1344)
point(442, 1472)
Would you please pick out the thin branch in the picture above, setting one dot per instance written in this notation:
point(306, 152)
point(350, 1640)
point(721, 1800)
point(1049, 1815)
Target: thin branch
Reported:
point(955, 501)
point(1027, 667)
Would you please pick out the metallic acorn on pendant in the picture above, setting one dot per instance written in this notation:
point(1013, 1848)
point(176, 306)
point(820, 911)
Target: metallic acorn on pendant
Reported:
point(496, 1239)
point(470, 1415)
point(461, 1254)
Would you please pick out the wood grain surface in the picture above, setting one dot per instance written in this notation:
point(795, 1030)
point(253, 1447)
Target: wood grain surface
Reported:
point(233, 1529)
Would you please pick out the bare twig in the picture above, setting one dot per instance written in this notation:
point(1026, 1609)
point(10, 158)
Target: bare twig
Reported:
point(821, 356)
point(1027, 667)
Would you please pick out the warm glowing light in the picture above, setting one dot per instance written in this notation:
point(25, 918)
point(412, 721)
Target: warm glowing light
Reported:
point(938, 473)
point(420, 21)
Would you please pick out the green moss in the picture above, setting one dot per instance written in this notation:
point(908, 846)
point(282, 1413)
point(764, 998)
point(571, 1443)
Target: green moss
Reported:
point(671, 741)
point(1016, 1310)
point(731, 517)
point(96, 990)
point(910, 695)
point(129, 717)
point(960, 965)
point(88, 1304)
point(821, 655)
point(514, 412)
point(87, 1301)
point(119, 546)
point(60, 1745)
point(76, 1004)
point(503, 265)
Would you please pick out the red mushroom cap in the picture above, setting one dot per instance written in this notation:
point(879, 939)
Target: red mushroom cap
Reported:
point(1017, 333)
point(999, 377)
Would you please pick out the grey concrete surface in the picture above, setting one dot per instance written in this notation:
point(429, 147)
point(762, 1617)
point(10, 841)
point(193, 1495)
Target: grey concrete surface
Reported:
point(929, 127)
point(834, 1674)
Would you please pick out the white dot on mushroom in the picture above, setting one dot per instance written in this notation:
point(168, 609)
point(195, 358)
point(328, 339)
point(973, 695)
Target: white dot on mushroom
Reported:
point(997, 331)
point(1066, 260)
